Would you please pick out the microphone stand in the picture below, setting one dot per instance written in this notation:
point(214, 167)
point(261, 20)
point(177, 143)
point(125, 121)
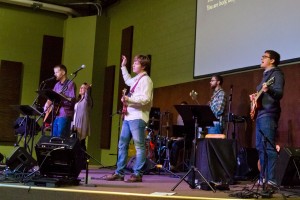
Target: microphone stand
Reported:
point(265, 193)
point(119, 112)
point(229, 115)
point(30, 126)
point(41, 87)
point(64, 88)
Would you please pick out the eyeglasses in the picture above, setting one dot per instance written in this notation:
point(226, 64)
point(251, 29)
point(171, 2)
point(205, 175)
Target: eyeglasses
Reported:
point(265, 57)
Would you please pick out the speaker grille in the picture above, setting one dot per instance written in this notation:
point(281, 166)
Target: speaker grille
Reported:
point(288, 166)
point(59, 157)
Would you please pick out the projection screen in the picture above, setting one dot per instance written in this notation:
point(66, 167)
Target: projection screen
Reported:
point(232, 35)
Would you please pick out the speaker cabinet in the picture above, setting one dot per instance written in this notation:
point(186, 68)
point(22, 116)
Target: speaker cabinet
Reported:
point(288, 167)
point(20, 160)
point(59, 157)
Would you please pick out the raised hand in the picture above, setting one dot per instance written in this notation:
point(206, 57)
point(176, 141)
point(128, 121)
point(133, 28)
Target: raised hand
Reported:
point(124, 61)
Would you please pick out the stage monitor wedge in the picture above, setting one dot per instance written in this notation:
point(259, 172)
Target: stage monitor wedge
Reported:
point(288, 166)
point(20, 160)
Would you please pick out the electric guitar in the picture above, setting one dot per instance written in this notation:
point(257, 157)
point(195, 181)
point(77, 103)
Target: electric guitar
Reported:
point(124, 109)
point(255, 104)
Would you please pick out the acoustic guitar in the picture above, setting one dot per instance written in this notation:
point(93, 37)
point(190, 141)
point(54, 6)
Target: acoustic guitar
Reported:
point(48, 116)
point(55, 108)
point(255, 103)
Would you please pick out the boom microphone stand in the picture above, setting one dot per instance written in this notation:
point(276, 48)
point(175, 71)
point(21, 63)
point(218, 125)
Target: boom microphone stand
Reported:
point(265, 193)
point(230, 114)
point(88, 156)
point(119, 112)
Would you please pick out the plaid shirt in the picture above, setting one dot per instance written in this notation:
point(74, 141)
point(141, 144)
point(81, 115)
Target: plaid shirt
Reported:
point(218, 104)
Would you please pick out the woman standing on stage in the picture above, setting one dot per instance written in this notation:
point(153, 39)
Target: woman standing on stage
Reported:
point(81, 120)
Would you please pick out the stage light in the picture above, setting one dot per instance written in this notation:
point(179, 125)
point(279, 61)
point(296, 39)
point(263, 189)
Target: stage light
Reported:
point(42, 6)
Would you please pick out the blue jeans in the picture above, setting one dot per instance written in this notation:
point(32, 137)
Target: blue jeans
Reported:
point(267, 126)
point(216, 129)
point(61, 127)
point(134, 129)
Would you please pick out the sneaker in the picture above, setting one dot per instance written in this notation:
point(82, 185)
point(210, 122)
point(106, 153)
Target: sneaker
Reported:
point(115, 177)
point(134, 178)
point(272, 184)
point(260, 182)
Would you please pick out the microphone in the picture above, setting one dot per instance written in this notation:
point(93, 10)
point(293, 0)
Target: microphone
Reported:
point(49, 79)
point(80, 68)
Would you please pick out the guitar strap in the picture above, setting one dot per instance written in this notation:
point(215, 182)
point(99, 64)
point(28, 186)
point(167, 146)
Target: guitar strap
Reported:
point(64, 88)
point(216, 94)
point(133, 88)
point(267, 78)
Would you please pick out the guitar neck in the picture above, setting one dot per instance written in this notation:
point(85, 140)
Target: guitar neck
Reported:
point(268, 83)
point(258, 94)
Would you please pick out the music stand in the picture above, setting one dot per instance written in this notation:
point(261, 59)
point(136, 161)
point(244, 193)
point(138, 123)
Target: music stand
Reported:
point(53, 96)
point(27, 125)
point(29, 110)
point(202, 116)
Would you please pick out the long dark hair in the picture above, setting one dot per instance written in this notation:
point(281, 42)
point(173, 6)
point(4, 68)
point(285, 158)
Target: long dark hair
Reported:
point(79, 95)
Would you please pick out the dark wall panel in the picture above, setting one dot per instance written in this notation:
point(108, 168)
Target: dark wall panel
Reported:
point(243, 85)
point(105, 134)
point(11, 75)
point(126, 49)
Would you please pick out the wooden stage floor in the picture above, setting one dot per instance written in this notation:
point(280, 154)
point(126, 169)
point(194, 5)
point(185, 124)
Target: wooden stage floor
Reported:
point(154, 186)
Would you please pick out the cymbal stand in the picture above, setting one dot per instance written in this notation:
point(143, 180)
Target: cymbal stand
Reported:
point(167, 163)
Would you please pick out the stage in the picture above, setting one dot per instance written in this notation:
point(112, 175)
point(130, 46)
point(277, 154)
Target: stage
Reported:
point(154, 186)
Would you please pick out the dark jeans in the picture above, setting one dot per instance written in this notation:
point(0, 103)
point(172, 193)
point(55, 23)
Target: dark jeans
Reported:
point(266, 126)
point(61, 127)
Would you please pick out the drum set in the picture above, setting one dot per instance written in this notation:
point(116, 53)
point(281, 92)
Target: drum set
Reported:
point(158, 143)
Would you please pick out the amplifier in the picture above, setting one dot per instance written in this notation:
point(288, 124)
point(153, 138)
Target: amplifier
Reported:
point(59, 157)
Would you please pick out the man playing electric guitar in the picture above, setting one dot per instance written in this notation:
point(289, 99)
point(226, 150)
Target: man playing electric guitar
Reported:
point(139, 103)
point(268, 114)
point(64, 113)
